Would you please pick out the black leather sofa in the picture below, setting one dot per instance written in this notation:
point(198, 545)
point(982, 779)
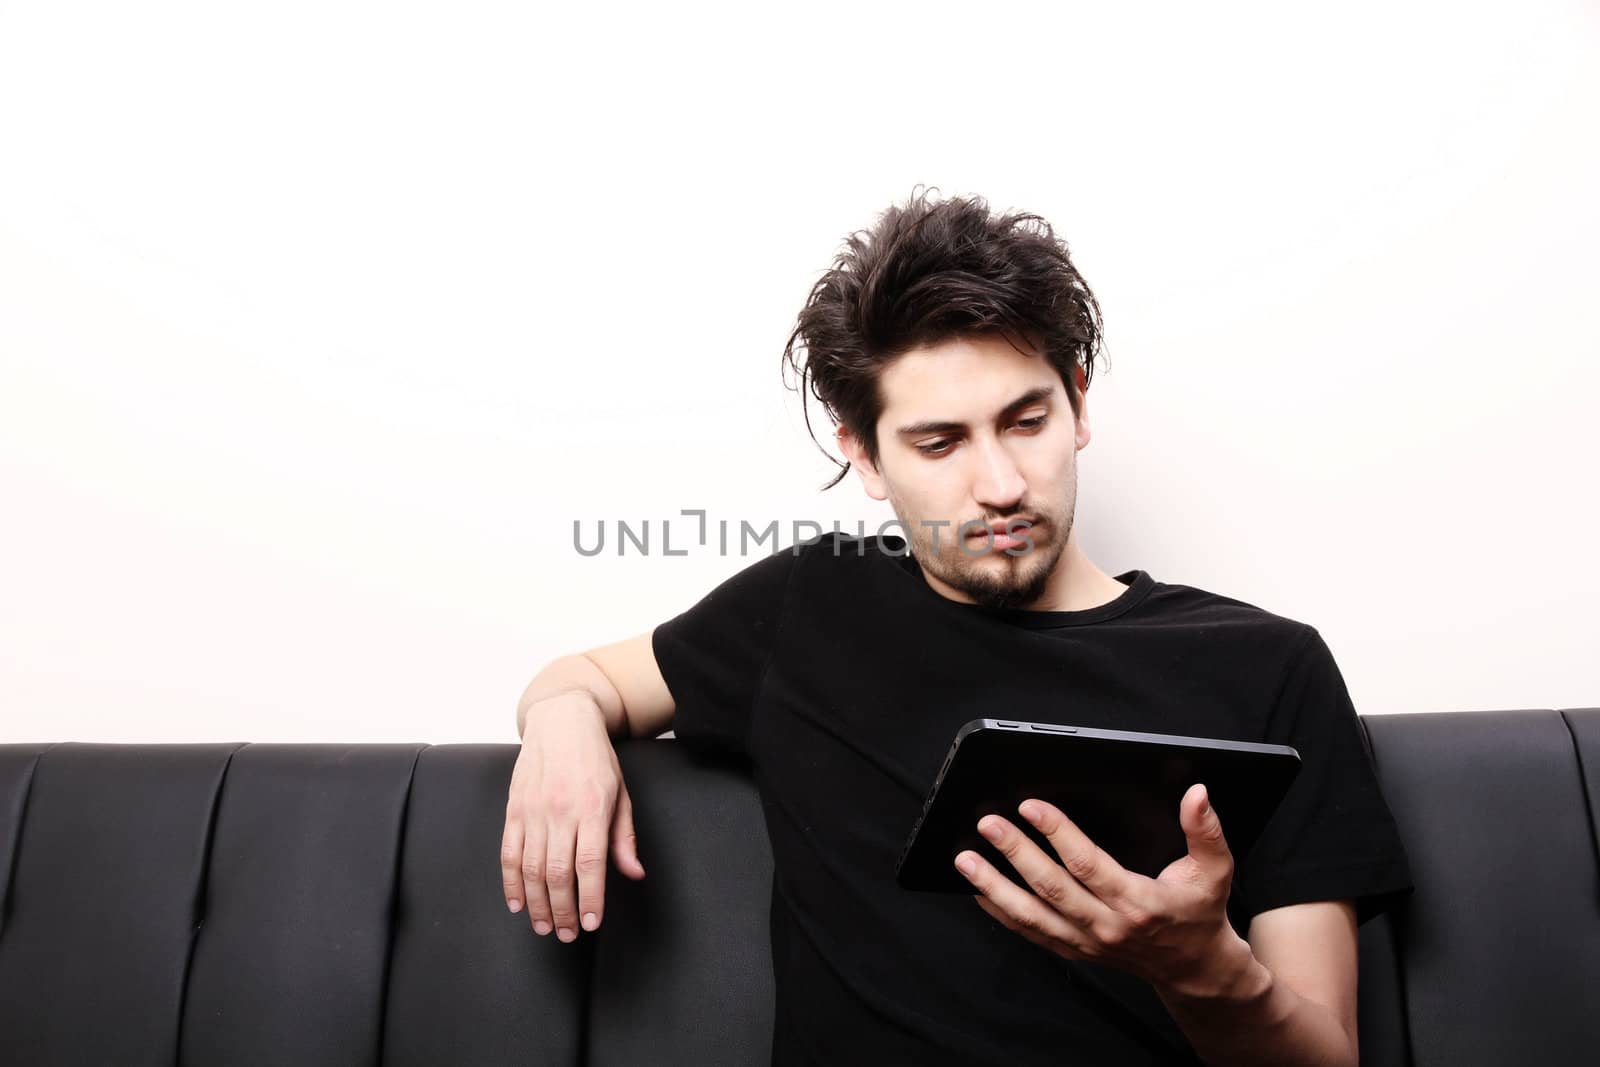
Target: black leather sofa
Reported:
point(333, 904)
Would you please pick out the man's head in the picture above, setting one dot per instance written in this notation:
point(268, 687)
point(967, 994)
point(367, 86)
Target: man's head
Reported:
point(954, 351)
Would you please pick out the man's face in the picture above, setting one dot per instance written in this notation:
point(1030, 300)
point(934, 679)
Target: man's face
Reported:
point(955, 445)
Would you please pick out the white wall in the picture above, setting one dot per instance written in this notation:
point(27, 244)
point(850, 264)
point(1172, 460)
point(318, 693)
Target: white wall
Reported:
point(321, 322)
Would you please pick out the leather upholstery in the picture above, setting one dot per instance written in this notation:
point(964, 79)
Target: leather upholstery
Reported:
point(238, 904)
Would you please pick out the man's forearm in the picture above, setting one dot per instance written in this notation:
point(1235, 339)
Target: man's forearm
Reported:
point(574, 672)
point(1254, 1018)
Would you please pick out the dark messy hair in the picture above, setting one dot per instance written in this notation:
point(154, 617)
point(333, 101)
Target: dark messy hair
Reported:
point(927, 272)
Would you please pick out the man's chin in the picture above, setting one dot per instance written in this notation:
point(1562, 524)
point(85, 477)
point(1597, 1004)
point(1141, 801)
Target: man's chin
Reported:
point(1014, 600)
point(1021, 589)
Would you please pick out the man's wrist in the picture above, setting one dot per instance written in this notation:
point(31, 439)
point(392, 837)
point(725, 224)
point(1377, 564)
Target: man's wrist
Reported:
point(529, 710)
point(1229, 974)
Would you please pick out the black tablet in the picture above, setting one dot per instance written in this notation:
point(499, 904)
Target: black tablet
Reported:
point(1122, 788)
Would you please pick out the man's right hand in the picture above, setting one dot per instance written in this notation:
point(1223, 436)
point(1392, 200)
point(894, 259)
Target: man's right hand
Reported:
point(568, 808)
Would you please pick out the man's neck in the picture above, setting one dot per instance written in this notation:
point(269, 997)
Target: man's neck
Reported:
point(1077, 584)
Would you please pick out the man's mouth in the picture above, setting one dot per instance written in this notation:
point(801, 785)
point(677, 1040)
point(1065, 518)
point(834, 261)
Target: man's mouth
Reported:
point(1001, 539)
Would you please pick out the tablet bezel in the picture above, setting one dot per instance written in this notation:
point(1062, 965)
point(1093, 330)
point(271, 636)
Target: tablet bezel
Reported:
point(1249, 780)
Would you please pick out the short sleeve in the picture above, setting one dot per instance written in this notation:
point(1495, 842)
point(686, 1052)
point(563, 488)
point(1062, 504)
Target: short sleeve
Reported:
point(714, 655)
point(1333, 836)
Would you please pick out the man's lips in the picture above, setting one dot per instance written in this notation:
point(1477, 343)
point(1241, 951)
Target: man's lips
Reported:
point(1000, 528)
point(1000, 541)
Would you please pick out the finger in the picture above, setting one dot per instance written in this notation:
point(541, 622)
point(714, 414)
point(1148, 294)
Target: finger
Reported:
point(1050, 882)
point(590, 869)
point(624, 842)
point(511, 863)
point(526, 777)
point(1086, 861)
point(1018, 905)
point(537, 899)
point(1202, 826)
point(558, 866)
point(1072, 947)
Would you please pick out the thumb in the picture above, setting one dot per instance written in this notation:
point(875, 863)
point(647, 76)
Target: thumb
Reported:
point(1203, 829)
point(624, 842)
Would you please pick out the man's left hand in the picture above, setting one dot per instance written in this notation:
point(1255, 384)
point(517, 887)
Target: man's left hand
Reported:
point(1171, 930)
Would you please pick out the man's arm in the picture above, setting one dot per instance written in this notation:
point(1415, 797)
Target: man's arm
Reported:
point(567, 805)
point(624, 679)
point(1287, 998)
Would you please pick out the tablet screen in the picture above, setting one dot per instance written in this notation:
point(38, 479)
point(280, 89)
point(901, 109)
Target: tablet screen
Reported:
point(1122, 788)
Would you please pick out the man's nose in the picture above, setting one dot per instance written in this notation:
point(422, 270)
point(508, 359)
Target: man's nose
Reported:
point(999, 482)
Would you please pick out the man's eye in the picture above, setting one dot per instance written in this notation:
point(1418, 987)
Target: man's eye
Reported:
point(939, 448)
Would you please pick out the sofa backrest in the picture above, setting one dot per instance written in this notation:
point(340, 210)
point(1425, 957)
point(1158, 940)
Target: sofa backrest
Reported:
point(340, 904)
point(1496, 959)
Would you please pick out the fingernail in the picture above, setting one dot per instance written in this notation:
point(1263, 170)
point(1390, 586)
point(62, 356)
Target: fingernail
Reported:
point(589, 921)
point(566, 935)
point(1030, 810)
point(965, 865)
point(991, 830)
point(515, 906)
point(541, 927)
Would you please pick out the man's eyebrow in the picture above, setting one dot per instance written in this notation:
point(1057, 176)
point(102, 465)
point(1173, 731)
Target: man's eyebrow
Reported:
point(1032, 396)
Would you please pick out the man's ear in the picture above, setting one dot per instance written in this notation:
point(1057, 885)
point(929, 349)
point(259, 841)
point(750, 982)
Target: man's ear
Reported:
point(1083, 433)
point(856, 453)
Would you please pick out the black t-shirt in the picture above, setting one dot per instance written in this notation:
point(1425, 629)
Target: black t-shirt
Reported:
point(842, 676)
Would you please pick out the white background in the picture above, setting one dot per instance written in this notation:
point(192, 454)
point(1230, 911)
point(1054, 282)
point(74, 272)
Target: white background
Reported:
point(320, 324)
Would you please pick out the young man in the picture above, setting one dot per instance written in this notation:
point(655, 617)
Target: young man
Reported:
point(954, 351)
